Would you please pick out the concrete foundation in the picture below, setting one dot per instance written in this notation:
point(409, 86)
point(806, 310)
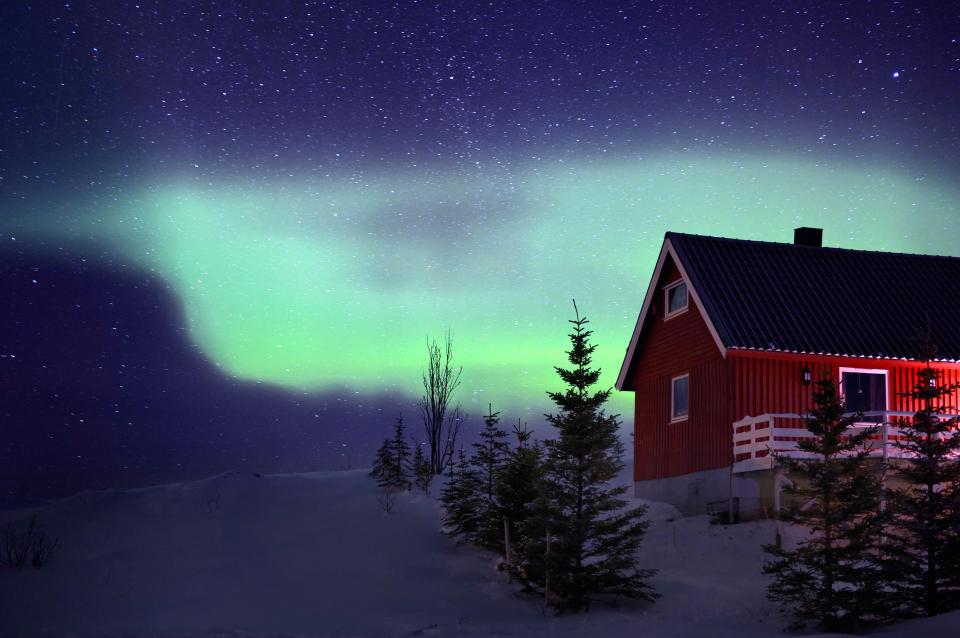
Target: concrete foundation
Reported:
point(756, 494)
point(693, 494)
point(710, 492)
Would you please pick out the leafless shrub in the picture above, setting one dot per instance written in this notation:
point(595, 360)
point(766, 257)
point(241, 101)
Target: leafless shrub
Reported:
point(386, 500)
point(15, 546)
point(213, 503)
point(30, 545)
point(41, 549)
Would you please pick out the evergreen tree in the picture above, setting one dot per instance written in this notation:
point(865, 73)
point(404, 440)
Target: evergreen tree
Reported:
point(488, 458)
point(531, 566)
point(401, 457)
point(422, 471)
point(517, 485)
point(461, 499)
point(382, 462)
point(590, 540)
point(830, 578)
point(923, 547)
point(517, 488)
point(392, 462)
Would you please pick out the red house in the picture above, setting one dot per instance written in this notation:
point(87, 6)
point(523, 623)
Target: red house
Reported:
point(731, 334)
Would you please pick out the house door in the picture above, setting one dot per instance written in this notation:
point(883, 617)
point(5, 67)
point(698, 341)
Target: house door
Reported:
point(864, 391)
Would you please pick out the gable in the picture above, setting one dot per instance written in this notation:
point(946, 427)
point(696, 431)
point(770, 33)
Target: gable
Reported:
point(668, 271)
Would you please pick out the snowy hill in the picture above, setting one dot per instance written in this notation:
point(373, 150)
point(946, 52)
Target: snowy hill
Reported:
point(314, 555)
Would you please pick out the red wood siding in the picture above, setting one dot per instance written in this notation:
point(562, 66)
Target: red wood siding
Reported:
point(667, 349)
point(902, 378)
point(763, 385)
point(772, 382)
point(722, 391)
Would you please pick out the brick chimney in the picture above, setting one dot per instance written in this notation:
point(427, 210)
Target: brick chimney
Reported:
point(806, 236)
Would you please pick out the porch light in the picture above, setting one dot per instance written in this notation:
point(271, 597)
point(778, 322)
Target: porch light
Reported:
point(807, 376)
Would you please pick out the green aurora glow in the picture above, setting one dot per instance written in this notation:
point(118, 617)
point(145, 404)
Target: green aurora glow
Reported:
point(329, 283)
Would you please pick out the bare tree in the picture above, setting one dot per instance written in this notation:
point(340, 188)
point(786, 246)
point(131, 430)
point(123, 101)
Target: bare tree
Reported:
point(440, 422)
point(386, 500)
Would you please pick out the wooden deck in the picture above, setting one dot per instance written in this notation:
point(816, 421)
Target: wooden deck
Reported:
point(758, 439)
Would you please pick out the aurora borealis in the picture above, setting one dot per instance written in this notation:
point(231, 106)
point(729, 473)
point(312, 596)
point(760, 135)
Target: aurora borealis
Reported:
point(317, 284)
point(322, 186)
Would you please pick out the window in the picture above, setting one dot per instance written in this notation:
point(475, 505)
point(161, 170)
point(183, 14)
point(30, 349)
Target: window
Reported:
point(679, 397)
point(864, 391)
point(676, 299)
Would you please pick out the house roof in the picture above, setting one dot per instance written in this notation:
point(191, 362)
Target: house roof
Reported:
point(832, 301)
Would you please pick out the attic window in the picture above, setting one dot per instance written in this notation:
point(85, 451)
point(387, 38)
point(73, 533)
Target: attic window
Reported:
point(676, 299)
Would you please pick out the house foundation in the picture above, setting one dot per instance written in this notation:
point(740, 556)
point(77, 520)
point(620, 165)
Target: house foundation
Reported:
point(747, 495)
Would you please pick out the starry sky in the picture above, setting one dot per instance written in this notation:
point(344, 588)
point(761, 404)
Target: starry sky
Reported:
point(228, 228)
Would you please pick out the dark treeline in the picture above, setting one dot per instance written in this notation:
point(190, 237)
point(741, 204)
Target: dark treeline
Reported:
point(548, 508)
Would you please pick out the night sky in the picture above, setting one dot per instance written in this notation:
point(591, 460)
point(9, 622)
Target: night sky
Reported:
point(226, 231)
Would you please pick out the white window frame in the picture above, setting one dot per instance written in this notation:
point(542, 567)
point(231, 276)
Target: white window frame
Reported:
point(673, 386)
point(667, 315)
point(886, 383)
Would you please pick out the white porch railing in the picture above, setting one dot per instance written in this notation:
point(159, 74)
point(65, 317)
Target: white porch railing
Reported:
point(755, 437)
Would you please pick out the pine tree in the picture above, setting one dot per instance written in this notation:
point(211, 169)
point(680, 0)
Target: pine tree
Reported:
point(391, 465)
point(422, 471)
point(922, 558)
point(401, 457)
point(830, 578)
point(461, 499)
point(518, 481)
point(487, 460)
point(533, 560)
point(517, 493)
point(590, 539)
point(382, 462)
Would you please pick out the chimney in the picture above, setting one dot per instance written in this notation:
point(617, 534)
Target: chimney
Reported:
point(808, 237)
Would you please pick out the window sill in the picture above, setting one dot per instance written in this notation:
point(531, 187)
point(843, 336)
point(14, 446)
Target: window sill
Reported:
point(676, 313)
point(679, 419)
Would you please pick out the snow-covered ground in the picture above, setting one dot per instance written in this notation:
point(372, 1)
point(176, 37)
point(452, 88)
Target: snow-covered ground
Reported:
point(314, 555)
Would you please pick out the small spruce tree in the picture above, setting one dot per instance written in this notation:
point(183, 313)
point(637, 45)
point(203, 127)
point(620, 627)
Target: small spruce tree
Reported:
point(517, 487)
point(461, 499)
point(401, 456)
point(922, 560)
point(532, 563)
point(422, 471)
point(830, 579)
point(382, 462)
point(517, 493)
point(487, 460)
point(392, 462)
point(590, 537)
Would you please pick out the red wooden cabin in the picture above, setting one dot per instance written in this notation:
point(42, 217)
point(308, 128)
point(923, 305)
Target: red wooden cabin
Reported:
point(731, 334)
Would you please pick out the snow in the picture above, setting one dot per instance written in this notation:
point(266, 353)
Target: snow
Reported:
point(314, 555)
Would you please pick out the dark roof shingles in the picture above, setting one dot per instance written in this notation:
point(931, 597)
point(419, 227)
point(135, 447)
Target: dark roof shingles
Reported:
point(784, 297)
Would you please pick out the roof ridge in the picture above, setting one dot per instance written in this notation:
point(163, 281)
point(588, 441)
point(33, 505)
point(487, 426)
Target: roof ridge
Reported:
point(760, 242)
